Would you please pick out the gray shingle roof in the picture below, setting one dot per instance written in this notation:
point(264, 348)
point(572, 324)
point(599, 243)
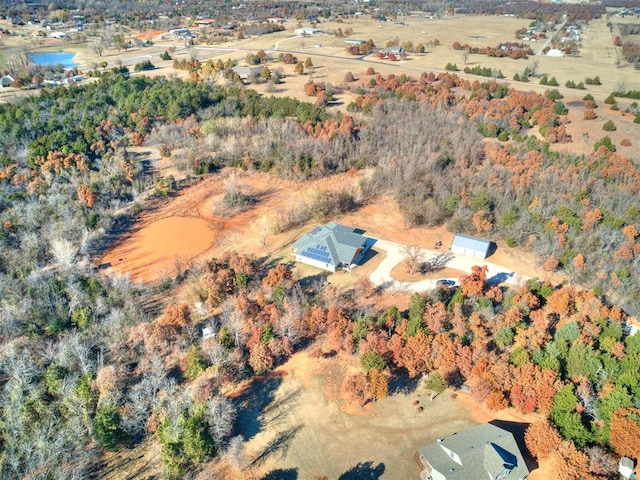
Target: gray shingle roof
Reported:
point(486, 447)
point(332, 243)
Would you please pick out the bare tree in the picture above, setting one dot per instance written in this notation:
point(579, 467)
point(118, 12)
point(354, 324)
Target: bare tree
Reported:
point(533, 69)
point(64, 252)
point(235, 454)
point(413, 258)
point(98, 47)
point(221, 415)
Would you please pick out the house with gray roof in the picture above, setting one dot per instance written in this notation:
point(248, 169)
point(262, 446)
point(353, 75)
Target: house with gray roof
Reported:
point(471, 246)
point(483, 452)
point(332, 246)
point(248, 72)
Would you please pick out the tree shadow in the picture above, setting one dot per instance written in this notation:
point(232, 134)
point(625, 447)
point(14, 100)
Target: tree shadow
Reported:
point(364, 471)
point(499, 278)
point(252, 401)
point(403, 384)
point(282, 474)
point(517, 429)
point(280, 444)
point(437, 263)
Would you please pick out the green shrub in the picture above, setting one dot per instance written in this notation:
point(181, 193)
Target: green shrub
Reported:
point(587, 97)
point(144, 65)
point(606, 141)
point(553, 95)
point(559, 108)
point(610, 100)
point(106, 427)
point(609, 126)
point(451, 67)
point(371, 360)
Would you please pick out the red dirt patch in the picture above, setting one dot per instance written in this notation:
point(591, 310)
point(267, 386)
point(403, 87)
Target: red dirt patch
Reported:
point(152, 251)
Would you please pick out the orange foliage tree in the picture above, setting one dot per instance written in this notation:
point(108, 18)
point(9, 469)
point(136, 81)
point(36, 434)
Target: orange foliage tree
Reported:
point(625, 432)
point(571, 464)
point(542, 439)
point(474, 283)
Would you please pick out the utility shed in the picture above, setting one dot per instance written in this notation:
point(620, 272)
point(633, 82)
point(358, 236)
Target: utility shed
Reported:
point(625, 467)
point(485, 451)
point(471, 246)
point(332, 246)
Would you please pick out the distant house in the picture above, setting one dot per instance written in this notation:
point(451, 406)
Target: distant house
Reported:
point(332, 246)
point(307, 31)
point(471, 246)
point(397, 51)
point(59, 35)
point(352, 41)
point(485, 451)
point(179, 32)
point(554, 52)
point(248, 72)
point(205, 22)
point(6, 81)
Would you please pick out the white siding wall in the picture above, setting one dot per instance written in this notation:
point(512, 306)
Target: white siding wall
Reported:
point(467, 251)
point(315, 263)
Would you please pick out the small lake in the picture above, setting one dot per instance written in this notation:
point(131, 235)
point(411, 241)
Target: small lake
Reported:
point(56, 58)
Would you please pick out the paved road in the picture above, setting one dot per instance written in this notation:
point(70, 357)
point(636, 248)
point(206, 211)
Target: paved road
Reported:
point(381, 276)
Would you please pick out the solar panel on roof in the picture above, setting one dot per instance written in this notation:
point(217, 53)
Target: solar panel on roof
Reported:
point(316, 254)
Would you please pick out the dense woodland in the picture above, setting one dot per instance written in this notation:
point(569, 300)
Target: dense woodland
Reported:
point(75, 341)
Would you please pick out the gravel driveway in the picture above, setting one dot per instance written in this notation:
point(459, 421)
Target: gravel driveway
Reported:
point(381, 276)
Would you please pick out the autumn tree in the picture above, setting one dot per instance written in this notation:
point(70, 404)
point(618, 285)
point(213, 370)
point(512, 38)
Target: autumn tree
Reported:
point(571, 464)
point(473, 285)
point(278, 275)
point(378, 384)
point(625, 432)
point(356, 388)
point(542, 439)
point(261, 358)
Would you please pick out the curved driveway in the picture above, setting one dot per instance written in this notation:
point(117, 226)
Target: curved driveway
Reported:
point(381, 276)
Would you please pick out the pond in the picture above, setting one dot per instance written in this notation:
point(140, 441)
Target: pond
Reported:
point(53, 58)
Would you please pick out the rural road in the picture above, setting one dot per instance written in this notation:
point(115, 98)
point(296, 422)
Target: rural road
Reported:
point(381, 276)
point(549, 38)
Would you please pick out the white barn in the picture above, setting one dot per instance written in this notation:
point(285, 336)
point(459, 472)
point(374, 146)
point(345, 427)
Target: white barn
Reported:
point(307, 31)
point(471, 246)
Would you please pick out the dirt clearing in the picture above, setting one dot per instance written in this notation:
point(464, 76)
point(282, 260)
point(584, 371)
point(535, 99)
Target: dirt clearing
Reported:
point(307, 430)
point(297, 426)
